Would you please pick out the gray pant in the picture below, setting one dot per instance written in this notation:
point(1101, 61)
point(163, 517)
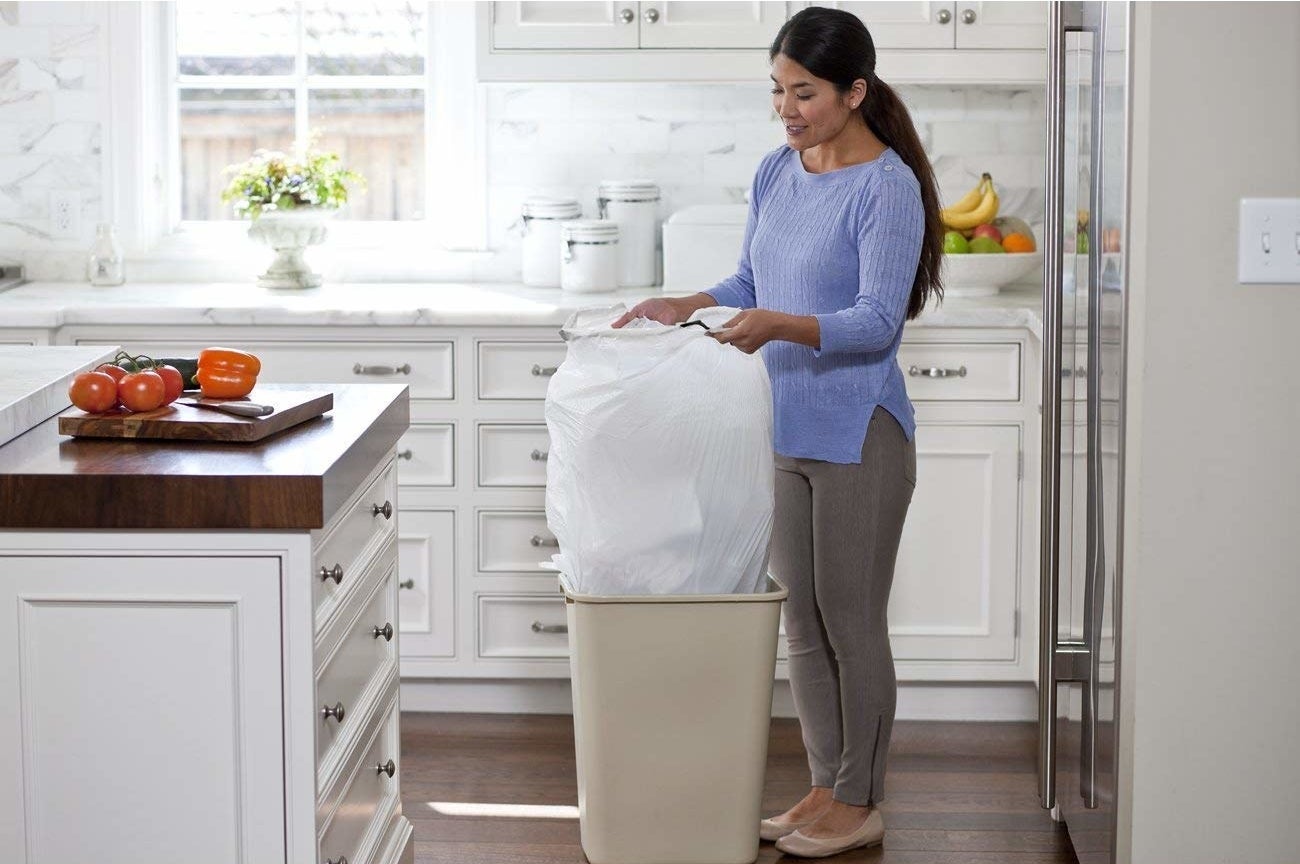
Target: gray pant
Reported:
point(835, 539)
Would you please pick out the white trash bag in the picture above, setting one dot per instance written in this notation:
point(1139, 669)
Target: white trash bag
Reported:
point(659, 478)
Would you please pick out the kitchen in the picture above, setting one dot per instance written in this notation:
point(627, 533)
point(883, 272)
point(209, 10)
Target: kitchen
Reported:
point(510, 122)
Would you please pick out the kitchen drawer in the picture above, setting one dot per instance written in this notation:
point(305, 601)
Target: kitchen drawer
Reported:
point(361, 656)
point(345, 548)
point(368, 796)
point(961, 372)
point(522, 626)
point(428, 454)
point(514, 541)
point(426, 543)
point(517, 370)
point(512, 454)
point(427, 367)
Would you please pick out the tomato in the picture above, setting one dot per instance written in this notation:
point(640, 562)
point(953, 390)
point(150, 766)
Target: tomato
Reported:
point(93, 392)
point(142, 391)
point(117, 373)
point(220, 384)
point(172, 381)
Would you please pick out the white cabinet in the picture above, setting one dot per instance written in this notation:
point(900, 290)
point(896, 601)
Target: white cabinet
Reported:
point(544, 25)
point(954, 591)
point(998, 24)
point(427, 611)
point(133, 665)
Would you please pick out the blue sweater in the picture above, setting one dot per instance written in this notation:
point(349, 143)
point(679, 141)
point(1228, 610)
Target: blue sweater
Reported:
point(842, 246)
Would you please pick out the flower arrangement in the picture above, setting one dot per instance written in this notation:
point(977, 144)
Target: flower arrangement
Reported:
point(271, 181)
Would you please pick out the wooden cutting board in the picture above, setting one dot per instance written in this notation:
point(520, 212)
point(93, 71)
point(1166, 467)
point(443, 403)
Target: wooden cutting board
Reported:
point(293, 405)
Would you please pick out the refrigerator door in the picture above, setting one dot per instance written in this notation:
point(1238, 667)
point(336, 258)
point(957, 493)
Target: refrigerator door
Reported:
point(1083, 391)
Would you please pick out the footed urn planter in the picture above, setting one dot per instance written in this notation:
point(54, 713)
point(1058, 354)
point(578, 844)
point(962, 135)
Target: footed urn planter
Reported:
point(289, 233)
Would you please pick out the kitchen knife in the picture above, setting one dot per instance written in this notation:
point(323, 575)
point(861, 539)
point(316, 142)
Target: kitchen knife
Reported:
point(241, 409)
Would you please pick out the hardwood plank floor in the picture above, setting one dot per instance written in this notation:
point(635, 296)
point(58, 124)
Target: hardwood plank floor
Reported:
point(958, 793)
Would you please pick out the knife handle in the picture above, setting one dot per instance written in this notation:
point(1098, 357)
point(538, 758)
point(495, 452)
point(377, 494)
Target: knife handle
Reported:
point(241, 409)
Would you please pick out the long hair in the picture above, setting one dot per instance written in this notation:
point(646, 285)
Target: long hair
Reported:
point(835, 46)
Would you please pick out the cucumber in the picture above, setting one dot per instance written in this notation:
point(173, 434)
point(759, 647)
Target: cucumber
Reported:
point(187, 366)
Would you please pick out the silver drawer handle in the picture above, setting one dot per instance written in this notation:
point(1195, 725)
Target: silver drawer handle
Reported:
point(326, 574)
point(539, 456)
point(944, 16)
point(968, 16)
point(627, 16)
point(406, 583)
point(336, 712)
point(342, 859)
point(539, 627)
point(538, 540)
point(389, 768)
point(385, 509)
point(544, 371)
point(386, 631)
point(935, 372)
point(359, 369)
point(405, 454)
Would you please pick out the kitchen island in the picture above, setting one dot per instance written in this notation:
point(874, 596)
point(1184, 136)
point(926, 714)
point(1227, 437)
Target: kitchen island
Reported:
point(199, 658)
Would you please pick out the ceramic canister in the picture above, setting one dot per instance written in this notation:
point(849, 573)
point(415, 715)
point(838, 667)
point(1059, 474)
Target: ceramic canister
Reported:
point(540, 219)
point(589, 255)
point(634, 206)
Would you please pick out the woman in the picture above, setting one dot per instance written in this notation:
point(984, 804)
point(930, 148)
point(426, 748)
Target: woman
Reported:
point(842, 245)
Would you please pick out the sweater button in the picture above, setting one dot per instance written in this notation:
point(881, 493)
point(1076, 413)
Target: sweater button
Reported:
point(889, 167)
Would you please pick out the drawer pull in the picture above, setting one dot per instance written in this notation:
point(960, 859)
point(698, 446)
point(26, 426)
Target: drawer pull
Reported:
point(405, 454)
point(539, 627)
point(544, 371)
point(935, 372)
point(406, 583)
point(539, 456)
point(537, 540)
point(326, 574)
point(342, 859)
point(336, 712)
point(386, 631)
point(359, 369)
point(388, 768)
point(386, 509)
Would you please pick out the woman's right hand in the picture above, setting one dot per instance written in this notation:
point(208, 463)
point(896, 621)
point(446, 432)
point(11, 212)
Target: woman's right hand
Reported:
point(665, 310)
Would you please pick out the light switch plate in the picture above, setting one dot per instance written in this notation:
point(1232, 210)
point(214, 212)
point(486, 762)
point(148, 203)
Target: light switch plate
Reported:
point(1268, 241)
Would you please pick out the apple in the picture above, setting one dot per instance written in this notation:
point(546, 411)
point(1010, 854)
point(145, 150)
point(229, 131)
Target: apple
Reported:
point(989, 231)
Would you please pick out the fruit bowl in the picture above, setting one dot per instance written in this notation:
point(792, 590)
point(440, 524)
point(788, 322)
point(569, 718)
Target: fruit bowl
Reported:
point(973, 275)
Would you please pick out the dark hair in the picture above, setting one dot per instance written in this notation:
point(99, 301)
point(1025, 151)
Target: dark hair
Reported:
point(835, 46)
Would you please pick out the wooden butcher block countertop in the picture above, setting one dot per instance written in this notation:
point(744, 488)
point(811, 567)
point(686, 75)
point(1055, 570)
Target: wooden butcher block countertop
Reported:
point(292, 480)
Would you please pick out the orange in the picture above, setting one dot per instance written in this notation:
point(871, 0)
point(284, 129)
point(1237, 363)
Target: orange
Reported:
point(1017, 243)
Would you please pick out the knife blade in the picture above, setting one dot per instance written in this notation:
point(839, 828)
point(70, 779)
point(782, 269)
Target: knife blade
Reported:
point(240, 409)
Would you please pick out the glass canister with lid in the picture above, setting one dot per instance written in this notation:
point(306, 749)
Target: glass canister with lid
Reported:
point(540, 223)
point(634, 206)
point(589, 255)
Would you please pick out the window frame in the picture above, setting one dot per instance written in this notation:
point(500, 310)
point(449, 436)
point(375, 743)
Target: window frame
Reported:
point(141, 183)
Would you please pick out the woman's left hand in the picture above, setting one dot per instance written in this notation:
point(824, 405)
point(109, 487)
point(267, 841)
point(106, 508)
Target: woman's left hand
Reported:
point(752, 329)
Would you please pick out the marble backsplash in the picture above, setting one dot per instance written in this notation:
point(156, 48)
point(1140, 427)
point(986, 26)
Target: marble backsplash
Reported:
point(700, 142)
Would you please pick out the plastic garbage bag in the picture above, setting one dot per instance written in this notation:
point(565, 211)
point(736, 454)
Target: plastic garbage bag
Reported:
point(659, 477)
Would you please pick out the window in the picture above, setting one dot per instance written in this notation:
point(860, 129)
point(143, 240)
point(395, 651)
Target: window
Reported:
point(350, 75)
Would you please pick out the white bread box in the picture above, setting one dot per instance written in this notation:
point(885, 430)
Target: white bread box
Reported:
point(702, 245)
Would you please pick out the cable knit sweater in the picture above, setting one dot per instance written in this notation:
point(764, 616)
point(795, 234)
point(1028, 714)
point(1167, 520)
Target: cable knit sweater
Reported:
point(842, 246)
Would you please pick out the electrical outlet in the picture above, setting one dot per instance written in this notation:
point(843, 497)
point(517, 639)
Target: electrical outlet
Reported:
point(65, 213)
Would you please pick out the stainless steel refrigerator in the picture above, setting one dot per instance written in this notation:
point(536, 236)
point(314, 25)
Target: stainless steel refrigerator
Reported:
point(1085, 291)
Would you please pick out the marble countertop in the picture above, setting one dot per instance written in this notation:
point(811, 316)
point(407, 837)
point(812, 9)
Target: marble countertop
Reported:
point(55, 304)
point(34, 385)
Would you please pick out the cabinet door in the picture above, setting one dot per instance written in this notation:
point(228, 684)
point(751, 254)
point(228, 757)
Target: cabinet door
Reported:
point(699, 24)
point(563, 24)
point(954, 593)
point(903, 24)
point(1002, 24)
point(141, 721)
point(426, 578)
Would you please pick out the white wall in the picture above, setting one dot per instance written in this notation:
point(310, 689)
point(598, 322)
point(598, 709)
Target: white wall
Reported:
point(1209, 712)
point(701, 142)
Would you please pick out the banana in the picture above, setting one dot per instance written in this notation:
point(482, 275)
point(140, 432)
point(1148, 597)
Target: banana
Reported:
point(970, 199)
point(985, 211)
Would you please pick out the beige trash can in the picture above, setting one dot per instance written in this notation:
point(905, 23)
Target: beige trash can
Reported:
point(672, 705)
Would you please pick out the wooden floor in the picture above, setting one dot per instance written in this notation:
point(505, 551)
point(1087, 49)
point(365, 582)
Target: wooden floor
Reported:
point(957, 793)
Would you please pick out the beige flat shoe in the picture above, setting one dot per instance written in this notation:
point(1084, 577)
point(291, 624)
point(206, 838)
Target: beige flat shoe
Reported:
point(871, 833)
point(769, 830)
